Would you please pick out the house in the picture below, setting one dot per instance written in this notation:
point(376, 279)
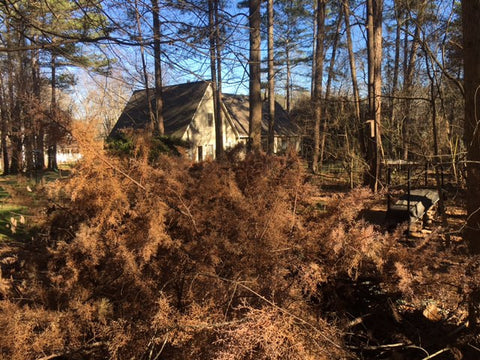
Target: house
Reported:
point(68, 153)
point(188, 112)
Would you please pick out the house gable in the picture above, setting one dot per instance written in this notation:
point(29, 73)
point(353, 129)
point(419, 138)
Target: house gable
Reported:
point(180, 103)
point(200, 132)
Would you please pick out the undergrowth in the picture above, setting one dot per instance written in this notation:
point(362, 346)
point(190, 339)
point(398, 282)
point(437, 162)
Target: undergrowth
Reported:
point(157, 258)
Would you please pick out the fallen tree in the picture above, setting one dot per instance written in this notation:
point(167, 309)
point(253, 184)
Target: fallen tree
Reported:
point(152, 257)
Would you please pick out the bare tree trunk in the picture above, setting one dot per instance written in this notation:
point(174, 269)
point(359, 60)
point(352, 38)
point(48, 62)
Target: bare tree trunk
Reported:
point(218, 118)
point(158, 126)
point(28, 124)
point(317, 93)
point(7, 105)
point(4, 127)
point(288, 86)
point(441, 205)
point(396, 63)
point(374, 32)
point(15, 135)
point(378, 20)
point(40, 146)
point(271, 81)
point(471, 47)
point(24, 98)
point(326, 116)
point(144, 65)
point(25, 145)
point(52, 143)
point(213, 39)
point(255, 114)
point(408, 88)
point(353, 71)
point(314, 45)
point(39, 156)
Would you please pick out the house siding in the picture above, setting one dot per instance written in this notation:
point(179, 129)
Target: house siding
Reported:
point(201, 131)
point(230, 137)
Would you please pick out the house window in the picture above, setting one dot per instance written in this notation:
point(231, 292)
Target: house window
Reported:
point(210, 119)
point(283, 145)
point(199, 153)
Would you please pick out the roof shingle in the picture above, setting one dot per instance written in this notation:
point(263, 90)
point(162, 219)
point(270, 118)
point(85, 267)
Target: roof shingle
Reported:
point(180, 103)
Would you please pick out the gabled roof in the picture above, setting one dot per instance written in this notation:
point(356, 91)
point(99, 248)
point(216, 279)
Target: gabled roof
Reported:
point(180, 102)
point(238, 107)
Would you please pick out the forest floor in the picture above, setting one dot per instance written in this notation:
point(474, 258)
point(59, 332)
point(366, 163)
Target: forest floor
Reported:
point(333, 184)
point(22, 200)
point(412, 326)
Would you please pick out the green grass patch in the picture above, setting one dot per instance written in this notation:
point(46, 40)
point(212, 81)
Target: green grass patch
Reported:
point(21, 198)
point(3, 194)
point(13, 222)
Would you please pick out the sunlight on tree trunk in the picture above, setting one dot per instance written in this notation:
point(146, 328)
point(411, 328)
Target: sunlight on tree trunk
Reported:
point(271, 81)
point(471, 34)
point(317, 93)
point(158, 127)
point(374, 32)
point(255, 114)
point(144, 63)
point(3, 128)
point(52, 143)
point(215, 61)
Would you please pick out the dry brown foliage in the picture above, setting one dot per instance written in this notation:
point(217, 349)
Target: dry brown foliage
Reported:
point(225, 260)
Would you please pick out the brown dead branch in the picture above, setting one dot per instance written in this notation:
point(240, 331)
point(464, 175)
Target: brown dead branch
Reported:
point(285, 311)
point(357, 321)
point(436, 354)
point(380, 347)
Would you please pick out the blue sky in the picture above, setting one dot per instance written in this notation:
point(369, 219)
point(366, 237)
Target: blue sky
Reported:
point(184, 61)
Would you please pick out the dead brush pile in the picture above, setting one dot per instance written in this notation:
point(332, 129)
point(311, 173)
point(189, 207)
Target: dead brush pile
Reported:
point(219, 260)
